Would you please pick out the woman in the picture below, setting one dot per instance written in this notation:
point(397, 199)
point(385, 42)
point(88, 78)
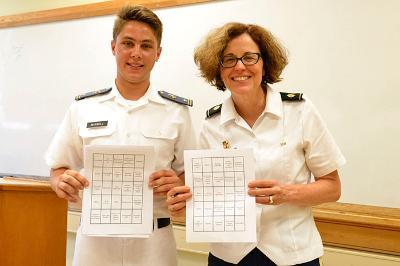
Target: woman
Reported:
point(289, 140)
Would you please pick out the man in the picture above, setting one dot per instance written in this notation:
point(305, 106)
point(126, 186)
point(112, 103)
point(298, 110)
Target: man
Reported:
point(131, 113)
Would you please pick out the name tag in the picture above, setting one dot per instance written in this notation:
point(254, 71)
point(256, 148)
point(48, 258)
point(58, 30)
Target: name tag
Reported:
point(96, 124)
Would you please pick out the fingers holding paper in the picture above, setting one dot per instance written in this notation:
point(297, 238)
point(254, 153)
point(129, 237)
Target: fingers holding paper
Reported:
point(164, 180)
point(266, 191)
point(67, 183)
point(176, 200)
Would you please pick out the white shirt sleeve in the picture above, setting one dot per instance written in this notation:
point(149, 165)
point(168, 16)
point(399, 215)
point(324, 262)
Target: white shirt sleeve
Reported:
point(204, 137)
point(322, 154)
point(65, 149)
point(186, 141)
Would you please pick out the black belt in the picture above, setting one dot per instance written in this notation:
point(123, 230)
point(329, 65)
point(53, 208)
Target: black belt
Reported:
point(162, 222)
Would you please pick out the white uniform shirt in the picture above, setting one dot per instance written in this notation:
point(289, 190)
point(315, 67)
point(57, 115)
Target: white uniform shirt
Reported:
point(290, 142)
point(151, 120)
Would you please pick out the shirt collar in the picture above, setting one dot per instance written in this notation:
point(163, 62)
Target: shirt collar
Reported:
point(154, 96)
point(113, 93)
point(228, 111)
point(273, 106)
point(273, 103)
point(150, 95)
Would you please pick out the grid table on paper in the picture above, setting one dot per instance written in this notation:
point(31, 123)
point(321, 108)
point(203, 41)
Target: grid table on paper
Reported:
point(218, 194)
point(117, 189)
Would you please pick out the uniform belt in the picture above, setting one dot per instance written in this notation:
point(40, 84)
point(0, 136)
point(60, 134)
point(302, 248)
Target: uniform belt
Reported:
point(162, 222)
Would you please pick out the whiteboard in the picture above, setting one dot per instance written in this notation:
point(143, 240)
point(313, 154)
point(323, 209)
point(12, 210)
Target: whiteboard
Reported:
point(344, 55)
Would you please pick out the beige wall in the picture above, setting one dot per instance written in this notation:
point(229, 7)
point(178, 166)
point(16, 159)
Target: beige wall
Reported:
point(11, 7)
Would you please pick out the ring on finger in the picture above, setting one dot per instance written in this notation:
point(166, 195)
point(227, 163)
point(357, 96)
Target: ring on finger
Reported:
point(271, 200)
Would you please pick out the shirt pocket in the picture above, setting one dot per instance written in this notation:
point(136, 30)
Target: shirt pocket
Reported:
point(97, 135)
point(163, 132)
point(162, 138)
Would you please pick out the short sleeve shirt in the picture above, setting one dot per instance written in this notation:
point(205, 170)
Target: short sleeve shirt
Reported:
point(290, 143)
point(151, 120)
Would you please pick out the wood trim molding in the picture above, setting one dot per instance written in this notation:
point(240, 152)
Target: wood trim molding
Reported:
point(359, 227)
point(84, 11)
point(23, 184)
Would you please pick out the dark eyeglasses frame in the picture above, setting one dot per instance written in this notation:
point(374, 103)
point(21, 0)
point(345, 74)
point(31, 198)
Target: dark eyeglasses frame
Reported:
point(241, 59)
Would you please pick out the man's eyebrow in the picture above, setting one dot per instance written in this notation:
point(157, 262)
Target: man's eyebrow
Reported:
point(128, 38)
point(133, 39)
point(147, 41)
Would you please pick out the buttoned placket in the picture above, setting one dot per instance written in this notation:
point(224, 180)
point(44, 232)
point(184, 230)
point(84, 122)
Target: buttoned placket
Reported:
point(259, 151)
point(255, 145)
point(130, 122)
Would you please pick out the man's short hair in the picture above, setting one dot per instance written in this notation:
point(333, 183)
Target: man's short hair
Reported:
point(140, 14)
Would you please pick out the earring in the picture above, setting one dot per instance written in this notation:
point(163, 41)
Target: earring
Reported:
point(264, 80)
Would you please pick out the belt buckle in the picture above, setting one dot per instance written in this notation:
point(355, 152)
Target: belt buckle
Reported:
point(162, 222)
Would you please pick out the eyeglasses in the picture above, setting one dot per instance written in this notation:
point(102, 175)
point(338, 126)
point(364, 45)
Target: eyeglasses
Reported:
point(247, 60)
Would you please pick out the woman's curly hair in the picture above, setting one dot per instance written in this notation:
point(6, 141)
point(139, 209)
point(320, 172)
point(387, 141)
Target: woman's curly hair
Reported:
point(209, 53)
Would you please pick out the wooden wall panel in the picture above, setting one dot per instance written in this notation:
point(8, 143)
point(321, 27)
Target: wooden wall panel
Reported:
point(33, 223)
point(359, 227)
point(355, 226)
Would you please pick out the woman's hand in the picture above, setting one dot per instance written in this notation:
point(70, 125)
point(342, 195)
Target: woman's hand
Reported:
point(270, 192)
point(267, 191)
point(176, 200)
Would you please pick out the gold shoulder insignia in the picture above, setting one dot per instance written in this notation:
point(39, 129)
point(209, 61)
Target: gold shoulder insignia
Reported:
point(213, 110)
point(92, 93)
point(288, 96)
point(174, 98)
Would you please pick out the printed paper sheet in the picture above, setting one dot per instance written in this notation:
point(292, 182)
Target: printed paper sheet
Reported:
point(220, 209)
point(118, 201)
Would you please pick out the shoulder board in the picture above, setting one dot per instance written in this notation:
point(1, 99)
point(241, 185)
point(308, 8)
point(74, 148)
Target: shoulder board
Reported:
point(92, 93)
point(213, 111)
point(174, 98)
point(293, 97)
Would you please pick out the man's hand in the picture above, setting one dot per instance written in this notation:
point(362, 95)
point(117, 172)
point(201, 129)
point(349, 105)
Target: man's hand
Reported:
point(162, 181)
point(67, 183)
